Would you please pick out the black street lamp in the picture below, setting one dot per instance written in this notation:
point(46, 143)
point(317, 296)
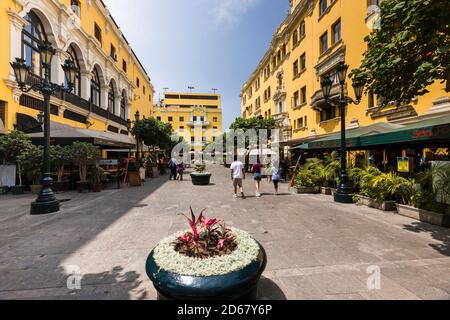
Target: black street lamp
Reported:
point(46, 201)
point(129, 130)
point(344, 192)
point(137, 117)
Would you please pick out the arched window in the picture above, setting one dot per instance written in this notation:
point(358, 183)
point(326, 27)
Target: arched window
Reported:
point(95, 88)
point(111, 99)
point(33, 34)
point(74, 58)
point(123, 105)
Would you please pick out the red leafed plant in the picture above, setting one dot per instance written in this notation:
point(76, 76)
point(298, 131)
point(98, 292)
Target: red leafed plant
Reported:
point(208, 238)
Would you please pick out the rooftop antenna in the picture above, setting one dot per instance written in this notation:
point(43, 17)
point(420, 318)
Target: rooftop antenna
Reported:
point(214, 90)
point(191, 88)
point(165, 89)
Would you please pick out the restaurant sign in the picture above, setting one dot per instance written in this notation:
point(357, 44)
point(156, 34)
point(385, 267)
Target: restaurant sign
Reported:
point(403, 165)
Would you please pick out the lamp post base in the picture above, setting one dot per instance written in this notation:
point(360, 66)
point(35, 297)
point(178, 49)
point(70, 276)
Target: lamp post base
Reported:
point(343, 197)
point(38, 208)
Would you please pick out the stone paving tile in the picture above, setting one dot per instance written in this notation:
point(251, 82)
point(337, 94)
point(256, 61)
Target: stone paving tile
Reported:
point(317, 249)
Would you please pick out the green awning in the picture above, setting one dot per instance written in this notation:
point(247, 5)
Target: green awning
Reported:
point(436, 129)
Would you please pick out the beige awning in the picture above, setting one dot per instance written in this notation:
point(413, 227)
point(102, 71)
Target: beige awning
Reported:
point(64, 134)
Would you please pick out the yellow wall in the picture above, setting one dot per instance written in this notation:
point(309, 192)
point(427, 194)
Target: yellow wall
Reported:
point(173, 108)
point(94, 14)
point(353, 28)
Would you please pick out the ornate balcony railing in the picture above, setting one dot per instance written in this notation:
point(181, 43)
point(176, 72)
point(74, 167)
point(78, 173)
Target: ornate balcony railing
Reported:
point(79, 102)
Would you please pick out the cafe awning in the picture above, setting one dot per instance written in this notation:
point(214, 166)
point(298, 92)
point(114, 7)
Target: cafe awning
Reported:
point(64, 134)
point(436, 129)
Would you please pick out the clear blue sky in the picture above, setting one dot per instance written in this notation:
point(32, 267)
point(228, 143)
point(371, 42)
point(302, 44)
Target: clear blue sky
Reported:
point(204, 43)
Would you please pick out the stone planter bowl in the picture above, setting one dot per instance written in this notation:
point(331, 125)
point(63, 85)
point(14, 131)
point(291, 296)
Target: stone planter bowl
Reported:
point(238, 285)
point(201, 179)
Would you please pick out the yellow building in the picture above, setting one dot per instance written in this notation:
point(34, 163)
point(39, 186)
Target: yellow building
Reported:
point(111, 83)
point(197, 117)
point(309, 44)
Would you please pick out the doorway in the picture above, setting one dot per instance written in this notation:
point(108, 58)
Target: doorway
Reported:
point(2, 116)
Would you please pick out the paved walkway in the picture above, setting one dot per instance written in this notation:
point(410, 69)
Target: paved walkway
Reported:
point(317, 249)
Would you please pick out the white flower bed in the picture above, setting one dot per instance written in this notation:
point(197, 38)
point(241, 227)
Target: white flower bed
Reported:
point(170, 260)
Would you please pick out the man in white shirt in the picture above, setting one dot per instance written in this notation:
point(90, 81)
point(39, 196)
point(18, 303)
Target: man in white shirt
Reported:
point(237, 175)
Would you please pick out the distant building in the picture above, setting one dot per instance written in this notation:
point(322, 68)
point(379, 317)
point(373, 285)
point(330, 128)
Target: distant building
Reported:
point(197, 117)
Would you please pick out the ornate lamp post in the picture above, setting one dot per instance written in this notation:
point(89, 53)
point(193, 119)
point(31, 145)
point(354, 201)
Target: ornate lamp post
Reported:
point(46, 201)
point(129, 130)
point(137, 117)
point(343, 194)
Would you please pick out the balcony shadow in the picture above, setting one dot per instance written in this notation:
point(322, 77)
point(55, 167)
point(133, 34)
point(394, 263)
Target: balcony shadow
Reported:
point(109, 285)
point(438, 233)
point(269, 290)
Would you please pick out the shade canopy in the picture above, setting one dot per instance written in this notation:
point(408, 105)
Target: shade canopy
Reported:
point(431, 130)
point(64, 134)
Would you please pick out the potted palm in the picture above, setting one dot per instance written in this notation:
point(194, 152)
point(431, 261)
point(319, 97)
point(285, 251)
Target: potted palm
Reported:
point(96, 178)
point(306, 182)
point(60, 157)
point(200, 177)
point(208, 262)
point(84, 155)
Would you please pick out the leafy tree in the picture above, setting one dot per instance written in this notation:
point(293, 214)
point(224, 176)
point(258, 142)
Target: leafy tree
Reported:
point(153, 132)
point(84, 154)
point(60, 157)
point(31, 160)
point(409, 52)
point(12, 145)
point(253, 123)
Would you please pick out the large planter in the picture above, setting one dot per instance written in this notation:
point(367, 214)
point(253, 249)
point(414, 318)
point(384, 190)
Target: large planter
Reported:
point(430, 217)
point(97, 187)
point(385, 205)
point(4, 190)
point(35, 188)
point(82, 187)
point(237, 285)
point(305, 190)
point(17, 190)
point(61, 186)
point(201, 179)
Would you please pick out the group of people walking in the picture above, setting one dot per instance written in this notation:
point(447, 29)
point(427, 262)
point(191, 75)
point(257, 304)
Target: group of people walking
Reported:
point(238, 175)
point(176, 169)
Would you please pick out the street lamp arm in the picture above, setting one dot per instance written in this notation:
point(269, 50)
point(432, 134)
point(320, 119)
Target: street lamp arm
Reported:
point(35, 87)
point(351, 101)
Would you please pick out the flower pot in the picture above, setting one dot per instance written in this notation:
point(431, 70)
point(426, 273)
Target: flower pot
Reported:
point(97, 187)
point(430, 217)
point(4, 190)
point(326, 191)
point(201, 179)
point(305, 190)
point(60, 186)
point(82, 186)
point(384, 205)
point(35, 188)
point(238, 285)
point(17, 190)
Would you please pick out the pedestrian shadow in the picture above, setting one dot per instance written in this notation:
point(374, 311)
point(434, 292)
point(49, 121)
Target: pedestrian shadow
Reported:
point(438, 233)
point(109, 285)
point(269, 290)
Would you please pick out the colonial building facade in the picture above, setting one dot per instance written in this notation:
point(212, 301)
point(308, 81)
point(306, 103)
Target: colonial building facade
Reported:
point(197, 117)
point(111, 83)
point(309, 45)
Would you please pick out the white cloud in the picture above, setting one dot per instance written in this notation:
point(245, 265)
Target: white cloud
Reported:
point(230, 11)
